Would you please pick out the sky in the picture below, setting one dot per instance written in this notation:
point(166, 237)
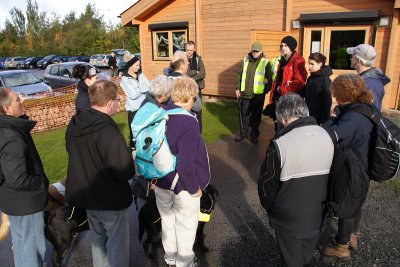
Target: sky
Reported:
point(109, 8)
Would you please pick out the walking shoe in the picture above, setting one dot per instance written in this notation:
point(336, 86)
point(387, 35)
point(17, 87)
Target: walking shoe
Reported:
point(239, 138)
point(338, 250)
point(353, 244)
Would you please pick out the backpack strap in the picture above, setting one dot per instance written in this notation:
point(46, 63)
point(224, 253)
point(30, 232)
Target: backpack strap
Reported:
point(368, 111)
point(180, 111)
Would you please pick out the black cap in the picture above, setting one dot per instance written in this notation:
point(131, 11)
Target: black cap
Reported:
point(131, 62)
point(290, 42)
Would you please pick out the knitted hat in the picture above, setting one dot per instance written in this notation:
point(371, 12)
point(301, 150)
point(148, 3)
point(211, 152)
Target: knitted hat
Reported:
point(131, 62)
point(290, 42)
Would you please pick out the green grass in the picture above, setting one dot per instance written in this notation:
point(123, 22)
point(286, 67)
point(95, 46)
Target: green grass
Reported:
point(220, 119)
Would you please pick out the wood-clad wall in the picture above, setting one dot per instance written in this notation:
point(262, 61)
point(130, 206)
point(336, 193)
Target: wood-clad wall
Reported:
point(179, 10)
point(382, 38)
point(226, 38)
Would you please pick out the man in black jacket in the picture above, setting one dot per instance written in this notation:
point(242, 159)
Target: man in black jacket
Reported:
point(23, 182)
point(112, 63)
point(98, 171)
point(293, 182)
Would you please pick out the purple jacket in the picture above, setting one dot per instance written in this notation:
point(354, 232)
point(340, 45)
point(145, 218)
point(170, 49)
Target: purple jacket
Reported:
point(186, 142)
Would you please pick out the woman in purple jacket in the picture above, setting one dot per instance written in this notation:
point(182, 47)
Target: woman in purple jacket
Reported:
point(178, 193)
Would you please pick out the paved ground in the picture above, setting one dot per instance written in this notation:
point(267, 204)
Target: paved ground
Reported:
point(238, 233)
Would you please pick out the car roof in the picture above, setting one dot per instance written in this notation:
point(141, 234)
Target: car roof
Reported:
point(12, 71)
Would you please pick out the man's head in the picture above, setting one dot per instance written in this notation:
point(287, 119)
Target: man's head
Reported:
point(362, 56)
point(179, 62)
point(290, 107)
point(190, 48)
point(10, 103)
point(104, 97)
point(256, 49)
point(288, 45)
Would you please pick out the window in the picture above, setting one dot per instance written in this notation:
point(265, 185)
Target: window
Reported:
point(166, 42)
point(54, 71)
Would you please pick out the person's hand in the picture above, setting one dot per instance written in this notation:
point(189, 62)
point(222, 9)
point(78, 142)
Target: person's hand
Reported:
point(198, 193)
point(238, 94)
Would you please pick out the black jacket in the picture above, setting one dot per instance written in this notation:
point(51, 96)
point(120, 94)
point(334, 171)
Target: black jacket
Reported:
point(318, 94)
point(99, 163)
point(294, 191)
point(353, 129)
point(82, 101)
point(112, 62)
point(24, 188)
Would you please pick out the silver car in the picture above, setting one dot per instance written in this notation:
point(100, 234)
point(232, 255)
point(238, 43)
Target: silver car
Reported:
point(14, 63)
point(60, 74)
point(25, 83)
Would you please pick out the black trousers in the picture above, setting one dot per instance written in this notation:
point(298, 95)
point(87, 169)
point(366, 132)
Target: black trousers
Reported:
point(198, 114)
point(346, 227)
point(251, 110)
point(131, 115)
point(296, 252)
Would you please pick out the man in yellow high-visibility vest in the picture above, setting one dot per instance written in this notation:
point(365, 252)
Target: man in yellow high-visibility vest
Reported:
point(254, 81)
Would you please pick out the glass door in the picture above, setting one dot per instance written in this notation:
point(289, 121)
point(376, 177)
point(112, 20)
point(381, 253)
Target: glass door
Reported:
point(332, 42)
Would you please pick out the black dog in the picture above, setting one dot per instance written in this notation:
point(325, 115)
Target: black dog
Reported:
point(62, 227)
point(150, 220)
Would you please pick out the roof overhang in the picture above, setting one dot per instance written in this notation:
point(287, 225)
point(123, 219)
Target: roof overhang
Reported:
point(364, 15)
point(135, 14)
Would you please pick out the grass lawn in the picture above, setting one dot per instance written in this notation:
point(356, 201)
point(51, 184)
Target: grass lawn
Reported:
point(220, 119)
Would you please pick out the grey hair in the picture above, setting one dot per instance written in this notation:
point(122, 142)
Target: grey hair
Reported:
point(291, 106)
point(364, 62)
point(161, 86)
point(5, 99)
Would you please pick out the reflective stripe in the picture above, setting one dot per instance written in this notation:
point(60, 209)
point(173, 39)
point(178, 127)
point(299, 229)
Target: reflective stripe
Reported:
point(259, 76)
point(275, 64)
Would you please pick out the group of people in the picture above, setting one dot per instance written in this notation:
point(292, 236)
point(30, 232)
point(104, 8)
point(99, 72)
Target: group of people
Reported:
point(100, 164)
point(296, 165)
point(293, 180)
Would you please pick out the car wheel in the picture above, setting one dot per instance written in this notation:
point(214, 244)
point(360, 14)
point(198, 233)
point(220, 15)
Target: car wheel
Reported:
point(30, 66)
point(18, 66)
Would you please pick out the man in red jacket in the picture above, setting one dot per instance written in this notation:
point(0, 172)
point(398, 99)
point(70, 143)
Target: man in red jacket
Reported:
point(292, 74)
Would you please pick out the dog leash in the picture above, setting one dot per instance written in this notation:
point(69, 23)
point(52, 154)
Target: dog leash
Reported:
point(72, 214)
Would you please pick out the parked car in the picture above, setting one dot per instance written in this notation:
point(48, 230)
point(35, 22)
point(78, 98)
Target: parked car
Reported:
point(79, 58)
point(50, 59)
point(93, 59)
point(2, 60)
point(24, 82)
point(14, 62)
point(121, 56)
point(60, 75)
point(31, 62)
point(99, 60)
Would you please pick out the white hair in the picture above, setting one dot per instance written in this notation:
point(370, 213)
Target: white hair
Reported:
point(161, 86)
point(291, 106)
point(364, 62)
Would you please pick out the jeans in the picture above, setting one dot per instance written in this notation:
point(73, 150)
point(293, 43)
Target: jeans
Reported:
point(29, 243)
point(179, 220)
point(109, 230)
point(346, 227)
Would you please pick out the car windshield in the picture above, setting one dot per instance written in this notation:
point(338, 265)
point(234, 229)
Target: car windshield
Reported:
point(18, 79)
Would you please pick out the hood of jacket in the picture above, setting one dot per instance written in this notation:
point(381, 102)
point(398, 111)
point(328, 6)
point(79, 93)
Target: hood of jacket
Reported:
point(22, 123)
point(87, 122)
point(375, 73)
point(325, 71)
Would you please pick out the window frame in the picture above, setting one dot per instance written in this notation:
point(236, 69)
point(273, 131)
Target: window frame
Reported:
point(170, 42)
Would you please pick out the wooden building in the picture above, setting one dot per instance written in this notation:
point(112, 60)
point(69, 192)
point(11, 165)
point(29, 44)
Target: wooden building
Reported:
point(224, 30)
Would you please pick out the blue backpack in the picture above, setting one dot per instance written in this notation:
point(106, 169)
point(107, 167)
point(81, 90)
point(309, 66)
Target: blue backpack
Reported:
point(154, 159)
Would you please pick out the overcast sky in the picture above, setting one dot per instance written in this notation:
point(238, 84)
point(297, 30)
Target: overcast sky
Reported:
point(109, 8)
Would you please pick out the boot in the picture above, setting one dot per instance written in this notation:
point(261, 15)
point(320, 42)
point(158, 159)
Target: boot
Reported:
point(353, 244)
point(338, 250)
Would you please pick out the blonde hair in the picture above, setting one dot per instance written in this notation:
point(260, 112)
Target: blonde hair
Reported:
point(184, 89)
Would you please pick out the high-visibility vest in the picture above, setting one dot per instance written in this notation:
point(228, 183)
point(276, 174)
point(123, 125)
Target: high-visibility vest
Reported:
point(275, 64)
point(259, 76)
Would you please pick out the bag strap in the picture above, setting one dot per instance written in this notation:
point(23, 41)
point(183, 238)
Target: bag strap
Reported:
point(370, 112)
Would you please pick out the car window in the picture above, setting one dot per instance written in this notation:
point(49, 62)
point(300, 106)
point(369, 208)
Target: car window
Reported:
point(54, 71)
point(64, 71)
point(17, 79)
